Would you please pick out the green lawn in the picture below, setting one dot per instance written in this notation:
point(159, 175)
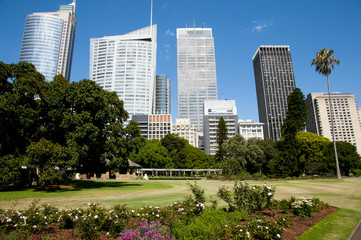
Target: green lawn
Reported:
point(345, 194)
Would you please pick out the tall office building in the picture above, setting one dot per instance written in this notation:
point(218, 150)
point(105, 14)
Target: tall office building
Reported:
point(162, 95)
point(213, 111)
point(345, 116)
point(48, 41)
point(196, 73)
point(126, 64)
point(275, 80)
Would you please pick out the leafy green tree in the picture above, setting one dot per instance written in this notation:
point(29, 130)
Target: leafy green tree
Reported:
point(325, 63)
point(152, 155)
point(11, 171)
point(176, 148)
point(268, 148)
point(236, 149)
point(348, 157)
point(54, 106)
point(287, 162)
point(255, 156)
point(52, 161)
point(195, 158)
point(296, 114)
point(313, 152)
point(222, 136)
point(20, 84)
point(121, 142)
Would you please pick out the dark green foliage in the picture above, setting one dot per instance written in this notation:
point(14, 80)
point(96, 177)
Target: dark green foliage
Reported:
point(296, 114)
point(176, 148)
point(152, 155)
point(52, 161)
point(349, 159)
point(80, 117)
point(222, 136)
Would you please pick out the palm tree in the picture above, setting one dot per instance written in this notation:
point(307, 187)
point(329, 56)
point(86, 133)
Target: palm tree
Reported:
point(324, 61)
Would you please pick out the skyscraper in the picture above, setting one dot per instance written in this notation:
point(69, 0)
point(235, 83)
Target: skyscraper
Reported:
point(345, 115)
point(196, 73)
point(273, 72)
point(162, 95)
point(48, 41)
point(126, 64)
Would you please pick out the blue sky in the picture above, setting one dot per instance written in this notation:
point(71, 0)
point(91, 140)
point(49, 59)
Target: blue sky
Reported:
point(239, 27)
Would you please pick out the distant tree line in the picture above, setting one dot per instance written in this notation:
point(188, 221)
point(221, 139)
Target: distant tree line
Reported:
point(50, 130)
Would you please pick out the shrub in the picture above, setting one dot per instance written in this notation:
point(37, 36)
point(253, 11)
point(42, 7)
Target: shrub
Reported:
point(303, 207)
point(244, 197)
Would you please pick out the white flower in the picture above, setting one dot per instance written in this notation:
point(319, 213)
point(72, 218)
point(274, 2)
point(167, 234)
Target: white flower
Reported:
point(9, 220)
point(96, 216)
point(226, 225)
point(269, 194)
point(157, 215)
point(132, 211)
point(279, 236)
point(240, 230)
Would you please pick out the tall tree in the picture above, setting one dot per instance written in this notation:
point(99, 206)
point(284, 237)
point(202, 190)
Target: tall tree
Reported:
point(325, 63)
point(296, 114)
point(222, 135)
point(176, 148)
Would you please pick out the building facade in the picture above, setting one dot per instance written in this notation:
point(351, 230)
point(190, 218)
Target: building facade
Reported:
point(345, 116)
point(249, 129)
point(184, 129)
point(275, 81)
point(213, 111)
point(162, 95)
point(126, 64)
point(159, 125)
point(196, 73)
point(48, 41)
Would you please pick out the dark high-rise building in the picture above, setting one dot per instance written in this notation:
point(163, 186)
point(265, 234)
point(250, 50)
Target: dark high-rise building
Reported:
point(273, 72)
point(162, 95)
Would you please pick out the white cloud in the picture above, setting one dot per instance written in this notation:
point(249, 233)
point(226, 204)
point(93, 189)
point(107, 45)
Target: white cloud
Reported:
point(260, 26)
point(169, 33)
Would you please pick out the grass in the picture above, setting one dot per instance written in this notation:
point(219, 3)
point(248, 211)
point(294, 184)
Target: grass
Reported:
point(345, 194)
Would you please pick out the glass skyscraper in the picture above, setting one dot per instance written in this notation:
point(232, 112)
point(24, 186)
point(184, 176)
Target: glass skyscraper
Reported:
point(162, 95)
point(126, 64)
point(196, 73)
point(48, 41)
point(275, 80)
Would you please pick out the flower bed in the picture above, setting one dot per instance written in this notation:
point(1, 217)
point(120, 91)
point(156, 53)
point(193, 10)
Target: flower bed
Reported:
point(253, 213)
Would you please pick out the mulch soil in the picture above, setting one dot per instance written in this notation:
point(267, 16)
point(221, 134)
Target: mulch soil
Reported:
point(301, 225)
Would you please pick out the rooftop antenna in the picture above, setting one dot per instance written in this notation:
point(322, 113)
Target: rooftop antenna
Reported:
point(202, 25)
point(151, 12)
point(194, 23)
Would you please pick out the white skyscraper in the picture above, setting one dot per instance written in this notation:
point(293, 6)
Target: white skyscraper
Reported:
point(48, 41)
point(126, 64)
point(196, 73)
